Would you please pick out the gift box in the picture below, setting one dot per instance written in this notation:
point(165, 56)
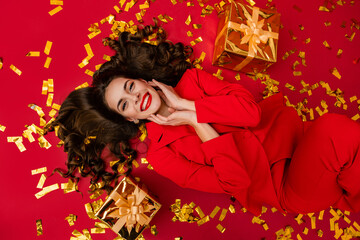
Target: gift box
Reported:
point(129, 209)
point(247, 38)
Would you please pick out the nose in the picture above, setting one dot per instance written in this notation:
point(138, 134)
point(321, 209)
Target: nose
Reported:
point(135, 97)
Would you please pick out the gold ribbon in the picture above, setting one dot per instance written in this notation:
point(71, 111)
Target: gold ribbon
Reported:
point(253, 35)
point(130, 210)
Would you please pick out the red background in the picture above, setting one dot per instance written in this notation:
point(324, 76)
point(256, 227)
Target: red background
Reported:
point(26, 26)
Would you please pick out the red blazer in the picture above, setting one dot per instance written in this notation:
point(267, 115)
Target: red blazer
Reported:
point(247, 160)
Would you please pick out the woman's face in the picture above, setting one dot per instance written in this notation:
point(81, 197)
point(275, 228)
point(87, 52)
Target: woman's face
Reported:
point(132, 98)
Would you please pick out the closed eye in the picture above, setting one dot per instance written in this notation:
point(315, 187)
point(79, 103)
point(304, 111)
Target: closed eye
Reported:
point(131, 86)
point(124, 105)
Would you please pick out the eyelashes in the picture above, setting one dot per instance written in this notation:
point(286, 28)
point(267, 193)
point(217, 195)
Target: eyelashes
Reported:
point(131, 88)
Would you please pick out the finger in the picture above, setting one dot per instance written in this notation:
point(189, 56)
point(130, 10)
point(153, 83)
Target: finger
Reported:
point(171, 110)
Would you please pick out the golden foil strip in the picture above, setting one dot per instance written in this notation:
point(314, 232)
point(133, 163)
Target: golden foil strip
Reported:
point(143, 131)
point(200, 212)
point(223, 214)
point(45, 87)
point(339, 52)
point(39, 170)
point(71, 219)
point(144, 5)
point(2, 128)
point(39, 228)
point(88, 72)
point(218, 74)
point(173, 2)
point(326, 44)
point(220, 228)
point(56, 2)
point(48, 47)
point(18, 142)
point(188, 20)
point(52, 113)
point(88, 50)
point(47, 190)
point(150, 167)
point(117, 9)
point(55, 10)
point(237, 77)
point(356, 117)
point(96, 194)
point(56, 106)
point(154, 230)
point(297, 73)
point(101, 225)
point(47, 62)
point(335, 72)
point(84, 85)
point(1, 63)
point(49, 99)
point(83, 63)
point(197, 26)
point(90, 211)
point(97, 230)
point(135, 163)
point(15, 69)
point(33, 54)
point(203, 220)
point(305, 231)
point(351, 37)
point(41, 181)
point(43, 143)
point(197, 40)
point(313, 222)
point(28, 134)
point(299, 219)
point(232, 208)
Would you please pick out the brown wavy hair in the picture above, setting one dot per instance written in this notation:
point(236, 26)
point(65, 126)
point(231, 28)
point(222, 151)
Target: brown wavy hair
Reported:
point(85, 123)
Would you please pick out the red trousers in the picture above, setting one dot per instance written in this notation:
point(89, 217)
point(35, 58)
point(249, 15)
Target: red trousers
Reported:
point(325, 168)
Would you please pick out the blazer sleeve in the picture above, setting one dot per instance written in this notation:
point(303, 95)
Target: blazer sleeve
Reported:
point(225, 174)
point(224, 102)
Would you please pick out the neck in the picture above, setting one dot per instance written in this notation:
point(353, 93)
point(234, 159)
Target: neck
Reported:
point(164, 109)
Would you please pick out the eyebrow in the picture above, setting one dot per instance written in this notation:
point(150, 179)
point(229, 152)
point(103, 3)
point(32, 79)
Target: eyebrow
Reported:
point(125, 86)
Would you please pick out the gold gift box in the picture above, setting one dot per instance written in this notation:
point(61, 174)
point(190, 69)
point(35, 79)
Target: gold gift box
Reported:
point(247, 38)
point(129, 209)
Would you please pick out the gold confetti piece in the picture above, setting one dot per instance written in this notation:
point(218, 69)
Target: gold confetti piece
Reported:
point(2, 128)
point(305, 231)
point(355, 118)
point(55, 10)
point(189, 4)
point(356, 225)
point(307, 40)
point(56, 2)
point(323, 9)
point(293, 37)
point(117, 9)
point(297, 73)
point(71, 219)
point(232, 208)
point(88, 72)
point(41, 181)
point(90, 211)
point(218, 74)
point(203, 220)
point(150, 167)
point(327, 24)
point(144, 161)
point(263, 210)
point(320, 233)
point(220, 228)
point(295, 64)
point(48, 47)
point(43, 143)
point(47, 190)
point(200, 212)
point(265, 226)
point(153, 230)
point(84, 85)
point(346, 219)
point(83, 63)
point(237, 76)
point(321, 215)
point(56, 106)
point(101, 225)
point(15, 69)
point(135, 163)
point(339, 52)
point(197, 26)
point(33, 54)
point(49, 99)
point(106, 57)
point(188, 20)
point(326, 44)
point(298, 219)
point(18, 141)
point(351, 37)
point(301, 27)
point(39, 228)
point(335, 72)
point(97, 230)
point(298, 237)
point(39, 170)
point(223, 214)
point(88, 50)
point(45, 87)
point(215, 211)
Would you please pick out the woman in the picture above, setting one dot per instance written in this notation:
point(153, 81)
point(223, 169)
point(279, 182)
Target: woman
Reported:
point(212, 136)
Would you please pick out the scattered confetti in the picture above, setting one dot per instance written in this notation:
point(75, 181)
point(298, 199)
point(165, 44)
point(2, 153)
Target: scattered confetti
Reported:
point(33, 54)
point(39, 227)
point(55, 10)
point(15, 69)
point(335, 72)
point(47, 62)
point(326, 44)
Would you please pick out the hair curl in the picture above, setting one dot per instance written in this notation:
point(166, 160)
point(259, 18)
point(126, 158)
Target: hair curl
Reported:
point(84, 113)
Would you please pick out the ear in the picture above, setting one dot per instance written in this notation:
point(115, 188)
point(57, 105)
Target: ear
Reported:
point(143, 80)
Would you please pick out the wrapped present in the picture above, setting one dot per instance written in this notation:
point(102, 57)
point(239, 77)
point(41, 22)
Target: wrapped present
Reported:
point(247, 38)
point(128, 209)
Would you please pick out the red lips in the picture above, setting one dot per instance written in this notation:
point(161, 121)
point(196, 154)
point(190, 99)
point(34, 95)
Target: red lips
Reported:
point(145, 100)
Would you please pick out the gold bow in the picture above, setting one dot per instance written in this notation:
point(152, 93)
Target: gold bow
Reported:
point(130, 210)
point(253, 35)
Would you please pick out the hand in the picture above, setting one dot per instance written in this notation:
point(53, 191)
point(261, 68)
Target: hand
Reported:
point(176, 118)
point(171, 98)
